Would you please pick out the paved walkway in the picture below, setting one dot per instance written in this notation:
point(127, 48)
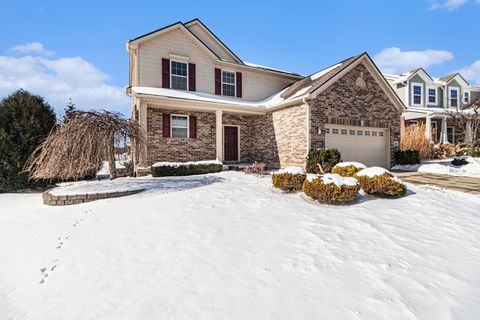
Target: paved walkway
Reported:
point(463, 184)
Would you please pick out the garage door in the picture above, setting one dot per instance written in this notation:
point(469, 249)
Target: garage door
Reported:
point(367, 145)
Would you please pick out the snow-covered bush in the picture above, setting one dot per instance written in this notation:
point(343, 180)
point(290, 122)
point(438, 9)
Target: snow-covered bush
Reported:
point(163, 169)
point(348, 169)
point(379, 181)
point(332, 189)
point(289, 179)
point(322, 160)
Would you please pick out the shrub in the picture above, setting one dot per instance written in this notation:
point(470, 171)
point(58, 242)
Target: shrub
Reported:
point(288, 181)
point(406, 157)
point(25, 122)
point(330, 193)
point(326, 158)
point(256, 168)
point(347, 169)
point(381, 185)
point(459, 162)
point(414, 138)
point(185, 169)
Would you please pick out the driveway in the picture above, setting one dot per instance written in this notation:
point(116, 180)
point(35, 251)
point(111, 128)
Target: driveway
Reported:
point(463, 184)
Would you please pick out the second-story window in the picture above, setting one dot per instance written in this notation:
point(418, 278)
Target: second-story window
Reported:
point(453, 98)
point(466, 97)
point(179, 75)
point(432, 96)
point(417, 94)
point(228, 83)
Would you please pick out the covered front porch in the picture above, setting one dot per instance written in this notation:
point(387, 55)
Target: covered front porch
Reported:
point(438, 128)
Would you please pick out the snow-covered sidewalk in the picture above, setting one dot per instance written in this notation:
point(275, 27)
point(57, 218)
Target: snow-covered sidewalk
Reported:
point(230, 247)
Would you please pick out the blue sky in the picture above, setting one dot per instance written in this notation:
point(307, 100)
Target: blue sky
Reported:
point(61, 49)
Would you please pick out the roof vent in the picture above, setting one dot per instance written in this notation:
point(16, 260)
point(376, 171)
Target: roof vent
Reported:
point(360, 83)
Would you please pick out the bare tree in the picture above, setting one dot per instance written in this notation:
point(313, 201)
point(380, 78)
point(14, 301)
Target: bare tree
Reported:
point(468, 119)
point(78, 147)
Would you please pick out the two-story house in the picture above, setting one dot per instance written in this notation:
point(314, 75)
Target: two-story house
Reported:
point(428, 101)
point(197, 100)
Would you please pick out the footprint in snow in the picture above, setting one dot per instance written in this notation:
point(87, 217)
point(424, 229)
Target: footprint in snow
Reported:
point(44, 274)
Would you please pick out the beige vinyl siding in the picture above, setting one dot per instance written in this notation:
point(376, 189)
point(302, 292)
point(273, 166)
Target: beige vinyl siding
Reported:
point(255, 85)
point(210, 42)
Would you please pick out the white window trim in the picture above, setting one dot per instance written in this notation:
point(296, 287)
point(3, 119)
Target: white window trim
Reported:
point(171, 125)
point(436, 96)
point(463, 97)
point(421, 93)
point(453, 133)
point(171, 73)
point(459, 100)
point(234, 84)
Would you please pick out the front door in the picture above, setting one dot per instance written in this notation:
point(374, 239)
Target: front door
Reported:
point(230, 143)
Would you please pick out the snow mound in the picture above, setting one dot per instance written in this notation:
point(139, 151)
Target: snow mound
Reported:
point(178, 164)
point(351, 163)
point(338, 180)
point(292, 170)
point(372, 172)
point(472, 169)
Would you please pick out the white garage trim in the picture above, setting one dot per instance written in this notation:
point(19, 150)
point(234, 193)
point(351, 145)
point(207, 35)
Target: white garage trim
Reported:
point(368, 145)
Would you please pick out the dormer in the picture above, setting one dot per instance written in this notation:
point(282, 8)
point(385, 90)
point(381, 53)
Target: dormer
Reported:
point(456, 90)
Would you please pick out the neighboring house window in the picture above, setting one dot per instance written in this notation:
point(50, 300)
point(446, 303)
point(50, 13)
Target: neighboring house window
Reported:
point(453, 97)
point(451, 134)
point(417, 94)
point(228, 83)
point(179, 126)
point(432, 96)
point(466, 97)
point(179, 75)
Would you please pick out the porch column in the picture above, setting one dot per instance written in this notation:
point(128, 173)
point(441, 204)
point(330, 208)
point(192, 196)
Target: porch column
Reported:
point(219, 134)
point(444, 134)
point(468, 131)
point(428, 127)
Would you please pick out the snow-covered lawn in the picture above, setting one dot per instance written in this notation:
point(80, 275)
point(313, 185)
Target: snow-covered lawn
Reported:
point(472, 169)
point(227, 246)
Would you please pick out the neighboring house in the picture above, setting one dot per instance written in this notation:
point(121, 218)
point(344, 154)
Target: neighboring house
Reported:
point(429, 100)
point(197, 101)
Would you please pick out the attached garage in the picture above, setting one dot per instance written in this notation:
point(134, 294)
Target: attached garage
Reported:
point(368, 145)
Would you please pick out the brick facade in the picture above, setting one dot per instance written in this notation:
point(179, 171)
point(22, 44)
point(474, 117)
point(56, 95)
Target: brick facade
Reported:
point(279, 137)
point(180, 150)
point(346, 103)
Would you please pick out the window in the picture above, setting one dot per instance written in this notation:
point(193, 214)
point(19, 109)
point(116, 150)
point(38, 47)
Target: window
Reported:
point(451, 134)
point(228, 83)
point(466, 97)
point(374, 133)
point(327, 130)
point(335, 131)
point(179, 126)
point(453, 97)
point(179, 75)
point(432, 96)
point(359, 133)
point(380, 134)
point(367, 133)
point(344, 131)
point(417, 93)
point(352, 132)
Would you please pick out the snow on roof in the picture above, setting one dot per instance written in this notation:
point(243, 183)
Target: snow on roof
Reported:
point(271, 101)
point(320, 73)
point(254, 65)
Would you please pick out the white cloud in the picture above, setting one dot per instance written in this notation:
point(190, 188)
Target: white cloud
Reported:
point(393, 60)
point(472, 72)
point(32, 48)
point(58, 79)
point(448, 4)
